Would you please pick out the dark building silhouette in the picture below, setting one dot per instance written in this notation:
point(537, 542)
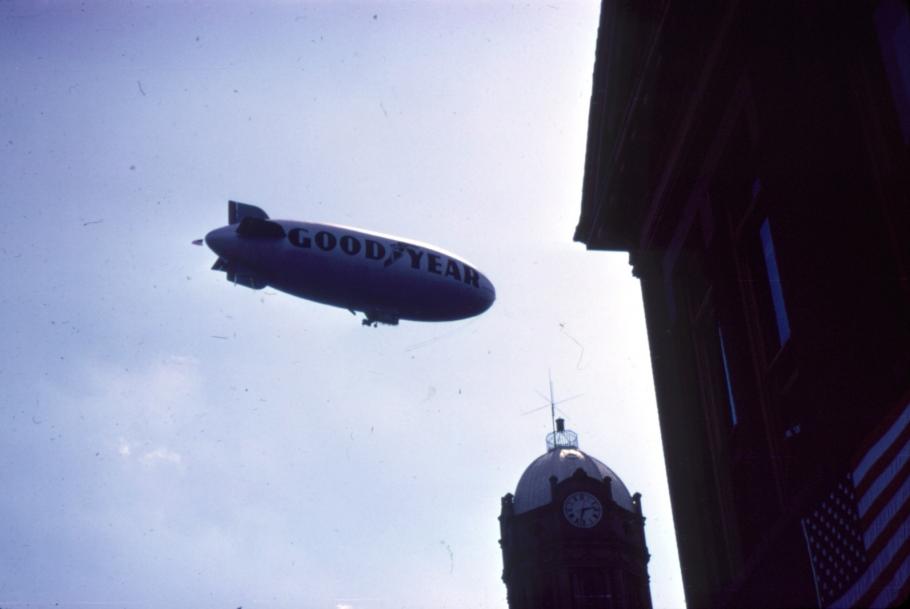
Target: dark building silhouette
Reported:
point(753, 159)
point(572, 535)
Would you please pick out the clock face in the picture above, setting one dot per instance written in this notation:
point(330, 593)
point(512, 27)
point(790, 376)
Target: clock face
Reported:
point(582, 509)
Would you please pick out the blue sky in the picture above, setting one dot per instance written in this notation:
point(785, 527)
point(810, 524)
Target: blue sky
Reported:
point(171, 440)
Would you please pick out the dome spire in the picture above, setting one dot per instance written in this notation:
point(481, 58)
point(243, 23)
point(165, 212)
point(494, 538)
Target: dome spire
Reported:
point(560, 437)
point(552, 401)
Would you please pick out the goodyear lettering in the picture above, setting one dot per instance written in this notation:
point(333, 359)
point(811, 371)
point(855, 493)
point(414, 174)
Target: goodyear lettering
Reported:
point(433, 264)
point(325, 241)
point(470, 276)
point(452, 270)
point(374, 250)
point(415, 258)
point(298, 237)
point(397, 253)
point(350, 245)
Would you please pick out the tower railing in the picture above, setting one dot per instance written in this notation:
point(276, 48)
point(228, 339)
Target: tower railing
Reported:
point(562, 438)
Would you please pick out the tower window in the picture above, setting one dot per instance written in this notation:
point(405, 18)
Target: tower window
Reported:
point(777, 292)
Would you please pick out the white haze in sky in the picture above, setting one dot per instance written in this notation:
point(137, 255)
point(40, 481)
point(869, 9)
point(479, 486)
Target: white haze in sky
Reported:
point(170, 440)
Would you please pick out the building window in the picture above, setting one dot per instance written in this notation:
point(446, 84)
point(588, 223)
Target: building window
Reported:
point(892, 22)
point(777, 292)
point(723, 358)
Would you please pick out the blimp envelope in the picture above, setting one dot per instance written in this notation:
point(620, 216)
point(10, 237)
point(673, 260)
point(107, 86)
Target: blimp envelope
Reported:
point(386, 278)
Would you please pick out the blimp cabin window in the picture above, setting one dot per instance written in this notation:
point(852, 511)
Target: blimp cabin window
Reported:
point(728, 383)
point(774, 284)
point(892, 23)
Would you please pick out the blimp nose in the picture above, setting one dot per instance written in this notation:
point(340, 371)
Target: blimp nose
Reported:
point(487, 294)
point(220, 240)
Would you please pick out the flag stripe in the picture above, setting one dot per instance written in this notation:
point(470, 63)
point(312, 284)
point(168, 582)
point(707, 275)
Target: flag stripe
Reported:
point(890, 528)
point(883, 470)
point(870, 457)
point(867, 580)
point(885, 576)
point(891, 520)
point(883, 515)
point(897, 588)
point(904, 591)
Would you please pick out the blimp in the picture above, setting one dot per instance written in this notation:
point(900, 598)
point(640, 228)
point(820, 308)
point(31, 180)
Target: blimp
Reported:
point(384, 277)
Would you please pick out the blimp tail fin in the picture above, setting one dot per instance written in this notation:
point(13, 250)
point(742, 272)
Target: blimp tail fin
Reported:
point(238, 211)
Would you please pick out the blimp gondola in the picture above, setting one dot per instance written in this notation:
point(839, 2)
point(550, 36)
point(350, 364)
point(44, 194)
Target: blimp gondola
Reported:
point(386, 278)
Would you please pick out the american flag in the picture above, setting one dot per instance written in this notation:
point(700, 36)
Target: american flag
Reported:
point(835, 542)
point(859, 536)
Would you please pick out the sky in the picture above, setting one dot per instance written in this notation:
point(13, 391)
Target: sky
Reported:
point(168, 439)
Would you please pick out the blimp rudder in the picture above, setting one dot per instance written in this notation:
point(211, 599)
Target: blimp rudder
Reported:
point(238, 211)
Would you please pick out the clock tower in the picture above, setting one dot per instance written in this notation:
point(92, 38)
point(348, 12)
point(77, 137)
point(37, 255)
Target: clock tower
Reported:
point(572, 535)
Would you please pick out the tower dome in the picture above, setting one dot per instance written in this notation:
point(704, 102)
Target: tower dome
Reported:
point(562, 460)
point(572, 536)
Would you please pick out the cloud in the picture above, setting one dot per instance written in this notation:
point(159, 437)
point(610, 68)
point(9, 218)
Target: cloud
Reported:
point(161, 455)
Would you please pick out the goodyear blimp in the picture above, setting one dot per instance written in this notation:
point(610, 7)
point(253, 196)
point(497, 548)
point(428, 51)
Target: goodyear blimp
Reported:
point(386, 278)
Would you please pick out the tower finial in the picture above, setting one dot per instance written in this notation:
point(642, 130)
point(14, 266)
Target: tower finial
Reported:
point(552, 401)
point(560, 437)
